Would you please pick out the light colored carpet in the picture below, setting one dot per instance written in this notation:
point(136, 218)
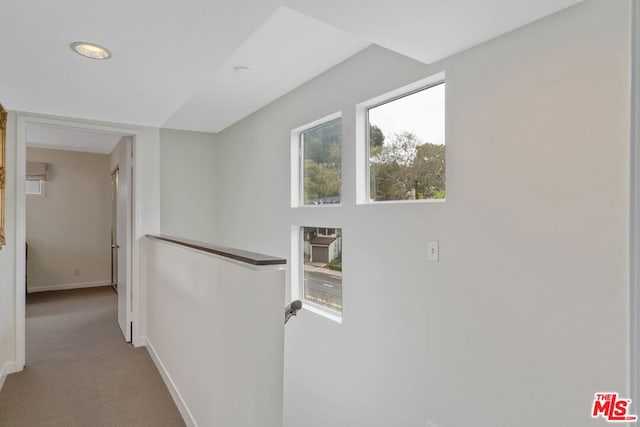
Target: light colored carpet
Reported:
point(80, 372)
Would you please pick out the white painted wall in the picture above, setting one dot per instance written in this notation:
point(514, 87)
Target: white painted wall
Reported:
point(216, 333)
point(69, 225)
point(187, 184)
point(525, 316)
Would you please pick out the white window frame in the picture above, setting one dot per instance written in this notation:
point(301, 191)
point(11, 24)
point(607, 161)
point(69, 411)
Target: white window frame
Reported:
point(297, 162)
point(363, 191)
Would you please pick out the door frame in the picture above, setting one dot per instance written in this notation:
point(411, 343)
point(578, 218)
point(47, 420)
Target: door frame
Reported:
point(23, 120)
point(128, 169)
point(115, 175)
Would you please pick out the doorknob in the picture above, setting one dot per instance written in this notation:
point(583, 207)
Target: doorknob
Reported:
point(115, 246)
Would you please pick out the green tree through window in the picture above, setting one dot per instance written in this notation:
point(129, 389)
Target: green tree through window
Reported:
point(406, 168)
point(322, 163)
point(406, 147)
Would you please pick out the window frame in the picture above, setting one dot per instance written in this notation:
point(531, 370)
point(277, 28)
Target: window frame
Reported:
point(363, 169)
point(297, 162)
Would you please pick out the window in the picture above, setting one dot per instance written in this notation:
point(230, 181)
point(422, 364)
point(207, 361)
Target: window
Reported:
point(406, 145)
point(321, 262)
point(34, 187)
point(36, 176)
point(319, 173)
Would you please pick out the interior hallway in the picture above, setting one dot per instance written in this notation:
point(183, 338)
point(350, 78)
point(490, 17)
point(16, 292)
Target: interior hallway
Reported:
point(79, 370)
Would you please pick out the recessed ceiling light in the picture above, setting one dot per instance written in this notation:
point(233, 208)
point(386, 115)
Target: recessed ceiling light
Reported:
point(90, 50)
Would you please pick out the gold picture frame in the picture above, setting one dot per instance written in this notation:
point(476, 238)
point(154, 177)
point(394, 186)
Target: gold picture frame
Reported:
point(3, 172)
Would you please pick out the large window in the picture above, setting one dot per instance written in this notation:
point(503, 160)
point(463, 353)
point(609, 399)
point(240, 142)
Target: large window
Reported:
point(406, 146)
point(321, 262)
point(321, 163)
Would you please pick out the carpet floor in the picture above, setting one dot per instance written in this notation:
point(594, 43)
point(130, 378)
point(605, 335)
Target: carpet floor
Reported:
point(79, 370)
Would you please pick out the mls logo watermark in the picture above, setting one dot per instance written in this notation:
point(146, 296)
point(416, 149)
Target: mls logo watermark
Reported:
point(612, 408)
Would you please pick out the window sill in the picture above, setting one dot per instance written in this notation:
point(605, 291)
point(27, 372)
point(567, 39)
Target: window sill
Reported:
point(332, 205)
point(309, 306)
point(397, 202)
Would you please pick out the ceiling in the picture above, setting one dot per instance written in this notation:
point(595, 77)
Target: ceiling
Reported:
point(173, 62)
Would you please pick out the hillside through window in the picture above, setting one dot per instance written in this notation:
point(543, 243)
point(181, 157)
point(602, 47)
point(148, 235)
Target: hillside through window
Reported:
point(321, 149)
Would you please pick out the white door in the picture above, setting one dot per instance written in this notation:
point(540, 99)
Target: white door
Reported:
point(123, 233)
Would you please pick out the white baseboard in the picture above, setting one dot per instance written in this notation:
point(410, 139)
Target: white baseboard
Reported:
point(66, 286)
point(7, 368)
point(173, 390)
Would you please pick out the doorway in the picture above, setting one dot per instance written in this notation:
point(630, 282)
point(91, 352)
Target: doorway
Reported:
point(24, 137)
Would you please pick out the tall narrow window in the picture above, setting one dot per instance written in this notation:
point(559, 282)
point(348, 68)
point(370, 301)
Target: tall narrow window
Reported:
point(406, 145)
point(321, 163)
point(322, 269)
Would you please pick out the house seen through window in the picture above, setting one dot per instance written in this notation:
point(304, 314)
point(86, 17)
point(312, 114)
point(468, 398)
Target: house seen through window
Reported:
point(322, 268)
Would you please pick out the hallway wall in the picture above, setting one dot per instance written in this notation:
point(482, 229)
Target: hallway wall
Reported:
point(69, 226)
point(188, 184)
point(533, 236)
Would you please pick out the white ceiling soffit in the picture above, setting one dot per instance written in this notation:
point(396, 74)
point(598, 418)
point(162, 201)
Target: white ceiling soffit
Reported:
point(173, 61)
point(60, 138)
point(163, 50)
point(285, 52)
point(428, 30)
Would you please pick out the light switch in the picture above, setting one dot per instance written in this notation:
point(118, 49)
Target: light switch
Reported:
point(432, 250)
